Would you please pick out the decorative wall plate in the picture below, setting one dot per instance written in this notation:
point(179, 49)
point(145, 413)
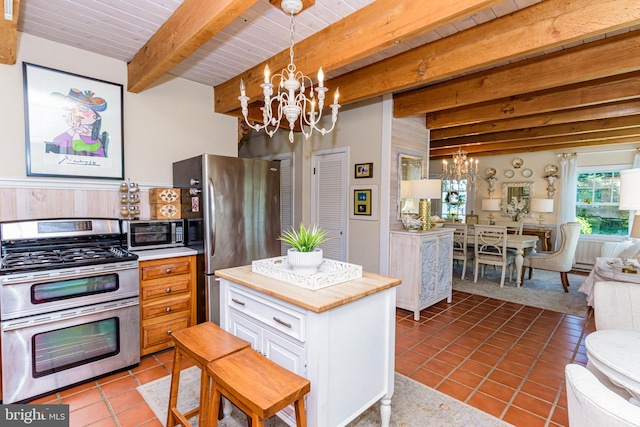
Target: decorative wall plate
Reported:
point(551, 170)
point(527, 173)
point(508, 173)
point(490, 172)
point(517, 163)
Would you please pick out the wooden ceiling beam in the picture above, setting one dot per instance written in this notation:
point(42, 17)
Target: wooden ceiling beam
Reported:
point(192, 24)
point(535, 29)
point(523, 145)
point(607, 57)
point(552, 131)
point(607, 90)
point(9, 36)
point(506, 149)
point(595, 112)
point(370, 30)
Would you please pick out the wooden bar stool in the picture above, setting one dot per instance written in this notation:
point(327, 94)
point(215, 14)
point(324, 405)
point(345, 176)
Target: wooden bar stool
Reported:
point(202, 344)
point(256, 385)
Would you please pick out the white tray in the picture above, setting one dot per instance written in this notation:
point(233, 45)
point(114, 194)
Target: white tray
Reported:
point(329, 273)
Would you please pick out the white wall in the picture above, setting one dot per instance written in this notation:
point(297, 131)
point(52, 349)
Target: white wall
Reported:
point(619, 154)
point(172, 120)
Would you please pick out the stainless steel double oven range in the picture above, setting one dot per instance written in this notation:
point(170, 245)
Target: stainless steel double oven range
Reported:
point(69, 308)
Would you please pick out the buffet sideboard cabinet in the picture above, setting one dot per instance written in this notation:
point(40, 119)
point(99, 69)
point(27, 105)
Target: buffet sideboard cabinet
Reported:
point(341, 338)
point(423, 260)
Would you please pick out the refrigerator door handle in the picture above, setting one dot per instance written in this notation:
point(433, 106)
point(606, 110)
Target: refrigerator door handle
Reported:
point(210, 233)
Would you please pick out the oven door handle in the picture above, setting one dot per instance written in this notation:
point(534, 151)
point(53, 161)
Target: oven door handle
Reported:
point(44, 319)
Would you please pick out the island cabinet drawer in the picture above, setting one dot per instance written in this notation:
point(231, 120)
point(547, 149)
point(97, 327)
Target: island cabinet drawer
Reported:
point(166, 306)
point(165, 287)
point(270, 313)
point(157, 336)
point(164, 268)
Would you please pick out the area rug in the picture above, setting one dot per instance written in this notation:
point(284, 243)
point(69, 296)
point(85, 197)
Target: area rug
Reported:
point(543, 290)
point(412, 405)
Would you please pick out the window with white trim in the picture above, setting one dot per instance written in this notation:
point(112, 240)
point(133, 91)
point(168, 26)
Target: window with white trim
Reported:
point(597, 201)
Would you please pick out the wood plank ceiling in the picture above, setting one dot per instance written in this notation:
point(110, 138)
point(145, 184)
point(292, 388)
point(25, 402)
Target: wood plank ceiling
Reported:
point(490, 76)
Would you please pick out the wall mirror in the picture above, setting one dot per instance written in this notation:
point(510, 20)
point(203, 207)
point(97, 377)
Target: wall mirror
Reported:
point(409, 167)
point(521, 190)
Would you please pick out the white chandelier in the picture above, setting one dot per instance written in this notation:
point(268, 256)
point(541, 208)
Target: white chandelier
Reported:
point(462, 168)
point(294, 106)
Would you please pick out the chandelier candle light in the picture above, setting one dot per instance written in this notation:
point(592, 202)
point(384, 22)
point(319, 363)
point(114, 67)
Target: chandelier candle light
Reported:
point(425, 190)
point(291, 100)
point(462, 168)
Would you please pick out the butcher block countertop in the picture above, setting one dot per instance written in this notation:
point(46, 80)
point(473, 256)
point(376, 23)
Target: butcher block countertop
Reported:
point(314, 300)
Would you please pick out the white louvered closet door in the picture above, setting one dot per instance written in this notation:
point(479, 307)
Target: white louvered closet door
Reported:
point(329, 205)
point(286, 198)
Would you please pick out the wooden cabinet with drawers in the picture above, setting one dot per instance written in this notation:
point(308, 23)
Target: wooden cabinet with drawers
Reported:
point(167, 300)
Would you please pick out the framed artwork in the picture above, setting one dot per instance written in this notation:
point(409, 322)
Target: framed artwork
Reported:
point(364, 202)
point(364, 170)
point(74, 125)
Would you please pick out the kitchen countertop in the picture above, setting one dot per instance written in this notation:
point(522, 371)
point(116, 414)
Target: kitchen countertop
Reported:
point(151, 254)
point(315, 300)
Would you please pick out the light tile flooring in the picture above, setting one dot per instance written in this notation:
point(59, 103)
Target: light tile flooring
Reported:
point(503, 358)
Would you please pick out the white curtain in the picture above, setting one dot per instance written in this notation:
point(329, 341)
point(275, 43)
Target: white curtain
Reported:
point(567, 205)
point(636, 164)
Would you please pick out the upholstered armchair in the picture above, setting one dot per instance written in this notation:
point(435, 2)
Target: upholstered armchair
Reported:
point(591, 403)
point(560, 260)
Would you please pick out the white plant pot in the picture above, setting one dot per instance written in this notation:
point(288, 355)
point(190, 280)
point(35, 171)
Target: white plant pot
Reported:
point(306, 263)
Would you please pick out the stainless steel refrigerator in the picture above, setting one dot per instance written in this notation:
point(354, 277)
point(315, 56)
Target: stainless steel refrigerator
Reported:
point(232, 211)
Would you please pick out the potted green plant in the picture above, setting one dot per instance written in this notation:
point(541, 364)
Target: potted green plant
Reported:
point(304, 256)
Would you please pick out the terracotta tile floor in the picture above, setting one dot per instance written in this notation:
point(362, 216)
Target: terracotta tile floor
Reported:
point(502, 358)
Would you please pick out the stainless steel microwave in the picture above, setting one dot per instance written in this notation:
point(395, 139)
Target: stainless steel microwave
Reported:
point(153, 234)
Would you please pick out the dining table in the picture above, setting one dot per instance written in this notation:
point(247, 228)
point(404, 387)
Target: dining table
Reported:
point(616, 353)
point(519, 242)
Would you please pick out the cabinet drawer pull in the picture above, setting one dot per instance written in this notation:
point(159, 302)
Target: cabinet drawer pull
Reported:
point(238, 301)
point(168, 309)
point(282, 322)
point(168, 290)
point(169, 332)
point(168, 271)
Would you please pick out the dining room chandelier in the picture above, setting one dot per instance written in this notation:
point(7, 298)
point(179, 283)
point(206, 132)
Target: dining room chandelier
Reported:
point(462, 168)
point(291, 100)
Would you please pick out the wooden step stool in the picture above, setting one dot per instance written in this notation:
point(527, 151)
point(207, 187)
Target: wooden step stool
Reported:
point(256, 385)
point(202, 344)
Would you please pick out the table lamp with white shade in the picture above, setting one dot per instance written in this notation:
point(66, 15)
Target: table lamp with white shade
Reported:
point(425, 190)
point(491, 205)
point(630, 197)
point(541, 206)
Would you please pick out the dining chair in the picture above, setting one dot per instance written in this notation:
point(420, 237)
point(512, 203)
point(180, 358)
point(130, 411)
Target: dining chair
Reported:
point(591, 403)
point(514, 227)
point(491, 249)
point(461, 250)
point(560, 260)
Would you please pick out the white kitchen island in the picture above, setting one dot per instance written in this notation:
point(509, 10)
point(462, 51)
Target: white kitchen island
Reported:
point(342, 338)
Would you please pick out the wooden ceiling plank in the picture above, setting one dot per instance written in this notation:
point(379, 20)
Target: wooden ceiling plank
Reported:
point(535, 29)
point(519, 144)
point(607, 57)
point(607, 90)
point(594, 112)
point(192, 24)
point(371, 29)
point(552, 131)
point(9, 36)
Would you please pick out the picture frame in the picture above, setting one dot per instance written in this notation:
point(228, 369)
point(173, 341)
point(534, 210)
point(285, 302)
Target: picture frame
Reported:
point(364, 202)
point(73, 125)
point(363, 170)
